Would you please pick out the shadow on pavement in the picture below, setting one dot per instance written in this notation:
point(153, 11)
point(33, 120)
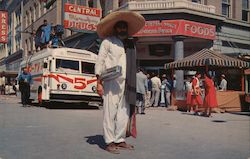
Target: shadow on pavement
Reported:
point(219, 121)
point(96, 140)
point(240, 113)
point(61, 105)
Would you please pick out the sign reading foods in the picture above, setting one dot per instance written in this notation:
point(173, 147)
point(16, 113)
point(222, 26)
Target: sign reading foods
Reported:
point(80, 17)
point(3, 26)
point(178, 27)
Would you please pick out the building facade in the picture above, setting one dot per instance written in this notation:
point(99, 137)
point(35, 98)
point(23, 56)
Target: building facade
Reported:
point(159, 44)
point(221, 25)
point(25, 16)
point(11, 53)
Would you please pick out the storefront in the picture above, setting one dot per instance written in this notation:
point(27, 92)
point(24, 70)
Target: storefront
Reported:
point(164, 41)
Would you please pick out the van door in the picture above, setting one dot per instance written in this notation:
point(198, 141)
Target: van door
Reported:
point(45, 80)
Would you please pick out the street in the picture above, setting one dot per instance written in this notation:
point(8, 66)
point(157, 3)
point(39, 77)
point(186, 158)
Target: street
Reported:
point(64, 133)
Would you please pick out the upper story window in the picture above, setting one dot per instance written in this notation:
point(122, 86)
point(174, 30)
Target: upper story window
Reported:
point(226, 7)
point(245, 10)
point(197, 1)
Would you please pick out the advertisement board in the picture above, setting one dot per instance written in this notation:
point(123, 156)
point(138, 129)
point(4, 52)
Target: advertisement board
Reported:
point(81, 18)
point(3, 26)
point(178, 27)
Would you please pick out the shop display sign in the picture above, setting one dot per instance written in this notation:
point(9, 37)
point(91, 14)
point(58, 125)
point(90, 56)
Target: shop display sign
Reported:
point(80, 17)
point(3, 26)
point(178, 27)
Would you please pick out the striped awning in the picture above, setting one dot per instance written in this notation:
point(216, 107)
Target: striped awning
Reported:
point(207, 57)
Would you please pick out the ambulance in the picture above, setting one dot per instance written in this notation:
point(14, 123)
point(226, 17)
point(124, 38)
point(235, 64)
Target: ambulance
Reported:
point(63, 75)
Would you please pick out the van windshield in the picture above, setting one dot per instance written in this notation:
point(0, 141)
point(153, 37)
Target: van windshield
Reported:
point(88, 68)
point(67, 65)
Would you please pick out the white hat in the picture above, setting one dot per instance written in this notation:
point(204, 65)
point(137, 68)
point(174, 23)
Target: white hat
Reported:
point(223, 76)
point(135, 23)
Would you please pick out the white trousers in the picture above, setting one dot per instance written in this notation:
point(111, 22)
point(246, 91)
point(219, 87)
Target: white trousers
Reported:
point(168, 95)
point(147, 99)
point(155, 97)
point(115, 112)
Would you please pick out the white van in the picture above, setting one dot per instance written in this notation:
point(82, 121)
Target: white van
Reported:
point(62, 74)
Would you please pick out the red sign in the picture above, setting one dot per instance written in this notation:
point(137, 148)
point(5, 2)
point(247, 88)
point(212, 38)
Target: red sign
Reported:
point(81, 17)
point(3, 26)
point(177, 27)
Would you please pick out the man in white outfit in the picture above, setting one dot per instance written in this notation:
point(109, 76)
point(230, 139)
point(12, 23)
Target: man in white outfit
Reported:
point(115, 28)
point(223, 83)
point(156, 86)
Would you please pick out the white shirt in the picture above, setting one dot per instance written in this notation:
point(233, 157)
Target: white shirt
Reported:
point(111, 54)
point(156, 82)
point(188, 86)
point(223, 85)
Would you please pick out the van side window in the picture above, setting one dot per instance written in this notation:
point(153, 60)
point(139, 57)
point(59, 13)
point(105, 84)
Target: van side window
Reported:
point(88, 68)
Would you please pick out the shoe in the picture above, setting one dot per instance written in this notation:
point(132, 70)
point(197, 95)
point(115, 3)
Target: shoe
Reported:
point(196, 113)
point(143, 113)
point(112, 148)
point(125, 146)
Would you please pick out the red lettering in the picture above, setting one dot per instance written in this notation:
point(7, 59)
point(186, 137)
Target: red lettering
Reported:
point(82, 83)
point(3, 32)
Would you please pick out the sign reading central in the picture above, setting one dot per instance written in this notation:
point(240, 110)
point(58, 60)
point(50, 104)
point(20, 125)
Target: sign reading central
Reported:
point(80, 17)
point(178, 27)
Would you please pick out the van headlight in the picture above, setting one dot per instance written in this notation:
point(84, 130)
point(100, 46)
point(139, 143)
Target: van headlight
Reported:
point(64, 86)
point(94, 89)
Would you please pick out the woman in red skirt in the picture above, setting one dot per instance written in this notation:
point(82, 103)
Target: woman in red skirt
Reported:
point(196, 100)
point(210, 100)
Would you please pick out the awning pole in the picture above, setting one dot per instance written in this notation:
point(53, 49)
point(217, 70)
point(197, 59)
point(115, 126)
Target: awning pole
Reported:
point(242, 81)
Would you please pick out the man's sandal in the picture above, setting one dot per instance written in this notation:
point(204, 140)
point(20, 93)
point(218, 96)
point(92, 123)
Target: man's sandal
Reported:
point(112, 148)
point(125, 146)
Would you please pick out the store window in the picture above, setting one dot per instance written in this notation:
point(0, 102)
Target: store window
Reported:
point(245, 10)
point(226, 7)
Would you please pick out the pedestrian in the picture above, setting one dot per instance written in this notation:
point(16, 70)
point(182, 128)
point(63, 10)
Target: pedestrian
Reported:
point(25, 80)
point(188, 86)
point(168, 90)
point(3, 89)
point(196, 100)
point(14, 87)
point(156, 86)
point(163, 94)
point(119, 94)
point(223, 83)
point(210, 100)
point(149, 90)
point(141, 89)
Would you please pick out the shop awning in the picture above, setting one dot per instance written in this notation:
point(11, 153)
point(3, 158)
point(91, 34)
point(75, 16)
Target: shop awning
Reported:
point(209, 58)
point(8, 74)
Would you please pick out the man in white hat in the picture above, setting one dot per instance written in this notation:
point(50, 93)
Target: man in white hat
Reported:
point(223, 83)
point(119, 93)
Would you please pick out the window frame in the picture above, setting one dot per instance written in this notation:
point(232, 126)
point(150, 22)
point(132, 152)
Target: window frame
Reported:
point(228, 7)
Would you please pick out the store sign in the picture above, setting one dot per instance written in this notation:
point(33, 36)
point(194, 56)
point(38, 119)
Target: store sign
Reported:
point(178, 27)
point(3, 26)
point(80, 17)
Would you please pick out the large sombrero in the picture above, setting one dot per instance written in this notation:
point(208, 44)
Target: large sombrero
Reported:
point(135, 23)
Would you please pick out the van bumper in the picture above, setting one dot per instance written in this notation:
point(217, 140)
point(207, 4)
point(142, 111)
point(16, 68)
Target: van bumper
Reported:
point(75, 98)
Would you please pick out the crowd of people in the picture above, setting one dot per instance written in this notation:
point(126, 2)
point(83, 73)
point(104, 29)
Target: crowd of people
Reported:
point(153, 91)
